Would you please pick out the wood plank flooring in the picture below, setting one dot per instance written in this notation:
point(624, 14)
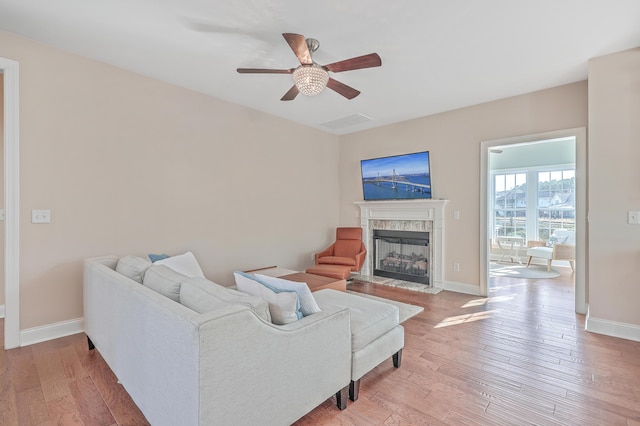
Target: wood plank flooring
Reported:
point(520, 356)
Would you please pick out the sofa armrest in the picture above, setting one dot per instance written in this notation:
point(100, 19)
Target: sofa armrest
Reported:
point(326, 252)
point(285, 371)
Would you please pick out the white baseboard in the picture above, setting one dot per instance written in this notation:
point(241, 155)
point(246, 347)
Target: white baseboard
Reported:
point(43, 333)
point(612, 328)
point(1, 311)
point(461, 287)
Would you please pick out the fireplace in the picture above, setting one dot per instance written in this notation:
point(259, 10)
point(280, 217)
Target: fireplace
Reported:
point(402, 255)
point(422, 216)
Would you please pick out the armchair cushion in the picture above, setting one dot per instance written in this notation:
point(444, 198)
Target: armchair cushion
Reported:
point(347, 248)
point(335, 260)
point(543, 252)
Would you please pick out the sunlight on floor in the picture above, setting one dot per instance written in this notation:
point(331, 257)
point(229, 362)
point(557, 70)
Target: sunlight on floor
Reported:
point(462, 319)
point(480, 302)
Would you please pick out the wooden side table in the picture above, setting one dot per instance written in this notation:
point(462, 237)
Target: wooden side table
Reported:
point(317, 282)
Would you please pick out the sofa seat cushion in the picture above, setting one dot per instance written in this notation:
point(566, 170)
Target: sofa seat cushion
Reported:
point(370, 318)
point(202, 295)
point(337, 260)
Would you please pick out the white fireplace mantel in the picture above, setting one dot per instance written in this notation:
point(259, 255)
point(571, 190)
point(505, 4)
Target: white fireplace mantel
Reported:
point(406, 210)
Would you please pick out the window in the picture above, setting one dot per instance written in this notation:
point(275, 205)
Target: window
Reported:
point(510, 201)
point(556, 201)
point(546, 194)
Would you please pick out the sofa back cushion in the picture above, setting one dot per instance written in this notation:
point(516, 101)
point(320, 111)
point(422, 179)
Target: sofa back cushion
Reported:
point(133, 267)
point(165, 281)
point(202, 295)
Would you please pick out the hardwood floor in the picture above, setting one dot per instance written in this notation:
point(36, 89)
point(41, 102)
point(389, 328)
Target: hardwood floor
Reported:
point(520, 356)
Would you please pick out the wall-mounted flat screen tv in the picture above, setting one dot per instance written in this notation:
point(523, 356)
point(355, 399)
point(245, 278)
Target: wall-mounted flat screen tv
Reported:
point(398, 177)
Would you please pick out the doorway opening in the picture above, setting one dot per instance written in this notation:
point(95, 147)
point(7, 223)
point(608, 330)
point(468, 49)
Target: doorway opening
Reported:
point(533, 194)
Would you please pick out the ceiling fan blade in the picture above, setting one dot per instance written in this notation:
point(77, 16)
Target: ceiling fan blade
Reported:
point(365, 61)
point(299, 46)
point(346, 91)
point(264, 71)
point(291, 94)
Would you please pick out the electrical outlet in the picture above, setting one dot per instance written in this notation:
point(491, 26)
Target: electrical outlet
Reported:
point(456, 267)
point(313, 257)
point(40, 216)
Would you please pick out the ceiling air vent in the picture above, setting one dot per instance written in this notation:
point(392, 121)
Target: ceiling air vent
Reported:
point(350, 120)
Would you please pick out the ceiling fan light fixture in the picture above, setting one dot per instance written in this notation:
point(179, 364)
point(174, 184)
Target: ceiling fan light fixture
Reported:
point(310, 79)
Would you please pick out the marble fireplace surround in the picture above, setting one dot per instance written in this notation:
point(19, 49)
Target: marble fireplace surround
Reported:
point(406, 215)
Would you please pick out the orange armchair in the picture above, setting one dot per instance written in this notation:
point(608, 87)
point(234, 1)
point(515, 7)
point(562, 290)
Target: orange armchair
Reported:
point(348, 250)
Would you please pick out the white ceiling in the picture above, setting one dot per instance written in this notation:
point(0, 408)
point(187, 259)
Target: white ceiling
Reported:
point(437, 55)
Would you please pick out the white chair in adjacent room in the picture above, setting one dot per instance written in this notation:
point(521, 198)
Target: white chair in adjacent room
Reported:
point(560, 246)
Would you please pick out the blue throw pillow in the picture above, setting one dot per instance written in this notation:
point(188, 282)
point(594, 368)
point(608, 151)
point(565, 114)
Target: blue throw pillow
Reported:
point(155, 257)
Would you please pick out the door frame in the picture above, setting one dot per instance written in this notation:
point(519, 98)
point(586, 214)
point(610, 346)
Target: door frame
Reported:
point(580, 277)
point(10, 70)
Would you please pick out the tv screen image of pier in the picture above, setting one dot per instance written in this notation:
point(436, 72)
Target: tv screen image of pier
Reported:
point(397, 177)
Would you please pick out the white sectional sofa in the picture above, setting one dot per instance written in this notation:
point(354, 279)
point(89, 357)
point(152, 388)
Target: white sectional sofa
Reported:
point(191, 352)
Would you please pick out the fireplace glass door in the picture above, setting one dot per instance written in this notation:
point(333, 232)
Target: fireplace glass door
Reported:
point(402, 255)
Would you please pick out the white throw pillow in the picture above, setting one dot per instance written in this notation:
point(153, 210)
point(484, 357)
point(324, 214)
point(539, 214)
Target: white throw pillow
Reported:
point(308, 303)
point(283, 306)
point(186, 264)
point(133, 267)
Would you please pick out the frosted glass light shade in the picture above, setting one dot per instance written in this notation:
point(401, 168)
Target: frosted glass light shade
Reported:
point(310, 80)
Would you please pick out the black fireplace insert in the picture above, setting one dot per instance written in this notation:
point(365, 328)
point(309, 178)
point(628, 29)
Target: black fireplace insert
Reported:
point(402, 255)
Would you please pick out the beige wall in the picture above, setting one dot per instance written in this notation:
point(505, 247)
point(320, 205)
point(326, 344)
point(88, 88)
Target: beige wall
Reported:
point(453, 139)
point(1, 188)
point(131, 165)
point(614, 187)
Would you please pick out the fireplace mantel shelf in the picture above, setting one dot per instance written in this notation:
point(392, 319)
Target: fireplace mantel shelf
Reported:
point(426, 210)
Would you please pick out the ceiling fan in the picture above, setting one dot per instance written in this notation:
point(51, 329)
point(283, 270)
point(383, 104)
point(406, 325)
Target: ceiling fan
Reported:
point(309, 77)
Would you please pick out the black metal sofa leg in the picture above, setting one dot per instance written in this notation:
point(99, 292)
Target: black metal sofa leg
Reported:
point(341, 398)
point(354, 389)
point(397, 359)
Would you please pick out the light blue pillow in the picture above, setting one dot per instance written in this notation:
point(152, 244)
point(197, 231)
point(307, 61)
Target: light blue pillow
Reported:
point(308, 303)
point(155, 257)
point(274, 289)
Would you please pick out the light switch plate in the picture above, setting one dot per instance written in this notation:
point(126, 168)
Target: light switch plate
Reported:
point(633, 217)
point(40, 216)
